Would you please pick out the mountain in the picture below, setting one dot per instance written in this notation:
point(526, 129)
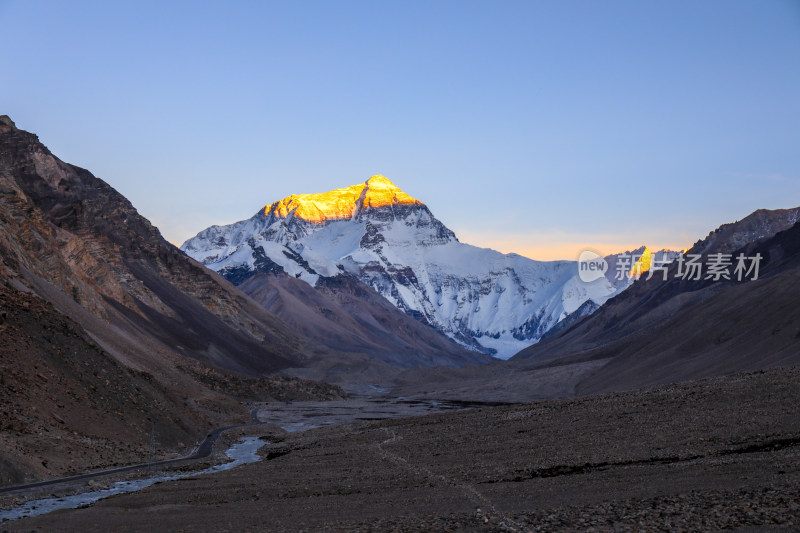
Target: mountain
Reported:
point(660, 331)
point(486, 301)
point(657, 331)
point(342, 312)
point(107, 322)
point(623, 270)
point(76, 241)
point(66, 406)
point(755, 227)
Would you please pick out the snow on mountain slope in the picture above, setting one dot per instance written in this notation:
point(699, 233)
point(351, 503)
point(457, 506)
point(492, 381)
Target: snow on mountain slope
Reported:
point(485, 300)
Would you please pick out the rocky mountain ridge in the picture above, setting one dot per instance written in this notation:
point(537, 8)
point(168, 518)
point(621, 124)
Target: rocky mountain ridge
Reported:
point(109, 292)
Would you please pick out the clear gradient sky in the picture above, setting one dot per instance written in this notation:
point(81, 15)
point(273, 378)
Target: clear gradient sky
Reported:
point(534, 127)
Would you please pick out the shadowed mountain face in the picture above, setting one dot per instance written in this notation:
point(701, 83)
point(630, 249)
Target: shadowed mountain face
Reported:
point(79, 243)
point(67, 406)
point(153, 340)
point(656, 331)
point(343, 312)
point(663, 331)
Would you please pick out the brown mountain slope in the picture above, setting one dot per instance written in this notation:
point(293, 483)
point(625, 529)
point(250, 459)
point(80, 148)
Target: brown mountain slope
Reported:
point(344, 314)
point(658, 332)
point(65, 231)
point(730, 326)
point(164, 330)
point(67, 406)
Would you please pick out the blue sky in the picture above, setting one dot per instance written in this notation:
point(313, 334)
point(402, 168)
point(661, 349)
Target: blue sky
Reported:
point(534, 127)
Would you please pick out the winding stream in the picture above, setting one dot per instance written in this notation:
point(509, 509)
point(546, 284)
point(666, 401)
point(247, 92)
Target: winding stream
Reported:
point(243, 452)
point(296, 416)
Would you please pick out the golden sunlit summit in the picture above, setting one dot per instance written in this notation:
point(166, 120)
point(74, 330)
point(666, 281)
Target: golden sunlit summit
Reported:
point(642, 264)
point(340, 204)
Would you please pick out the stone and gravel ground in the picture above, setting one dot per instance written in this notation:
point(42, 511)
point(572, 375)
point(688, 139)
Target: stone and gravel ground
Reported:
point(721, 454)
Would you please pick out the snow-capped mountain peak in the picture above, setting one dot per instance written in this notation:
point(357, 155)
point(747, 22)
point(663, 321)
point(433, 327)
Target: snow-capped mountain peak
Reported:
point(485, 300)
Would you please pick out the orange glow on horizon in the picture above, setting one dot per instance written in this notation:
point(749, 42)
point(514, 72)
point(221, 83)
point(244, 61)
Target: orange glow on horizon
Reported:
point(341, 204)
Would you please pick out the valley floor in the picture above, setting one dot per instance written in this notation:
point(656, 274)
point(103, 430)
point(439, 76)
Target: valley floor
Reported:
point(713, 454)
